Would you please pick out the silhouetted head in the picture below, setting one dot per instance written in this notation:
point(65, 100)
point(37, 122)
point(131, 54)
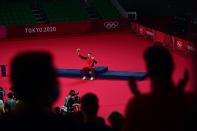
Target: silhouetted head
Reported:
point(72, 92)
point(116, 120)
point(57, 110)
point(33, 78)
point(159, 63)
point(10, 95)
point(100, 120)
point(89, 104)
point(90, 55)
point(1, 88)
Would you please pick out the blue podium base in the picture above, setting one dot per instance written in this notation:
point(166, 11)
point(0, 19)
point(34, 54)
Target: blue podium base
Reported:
point(102, 73)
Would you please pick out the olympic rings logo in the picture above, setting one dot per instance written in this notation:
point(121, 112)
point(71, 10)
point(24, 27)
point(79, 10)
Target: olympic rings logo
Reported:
point(111, 25)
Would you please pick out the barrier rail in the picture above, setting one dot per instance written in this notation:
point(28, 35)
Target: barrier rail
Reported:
point(166, 40)
point(169, 41)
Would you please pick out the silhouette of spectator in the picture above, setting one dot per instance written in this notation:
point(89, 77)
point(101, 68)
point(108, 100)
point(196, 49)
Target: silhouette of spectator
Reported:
point(89, 107)
point(57, 110)
point(78, 116)
point(69, 101)
point(116, 120)
point(2, 110)
point(34, 82)
point(166, 108)
point(100, 120)
point(10, 104)
point(2, 93)
point(160, 67)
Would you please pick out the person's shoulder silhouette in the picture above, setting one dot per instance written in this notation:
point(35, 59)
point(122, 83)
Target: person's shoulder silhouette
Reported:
point(33, 78)
point(90, 107)
point(166, 106)
point(160, 67)
point(35, 84)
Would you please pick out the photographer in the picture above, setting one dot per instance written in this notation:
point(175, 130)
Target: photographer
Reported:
point(72, 102)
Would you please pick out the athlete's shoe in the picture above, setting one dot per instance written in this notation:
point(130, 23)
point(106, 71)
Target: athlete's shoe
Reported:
point(91, 78)
point(84, 78)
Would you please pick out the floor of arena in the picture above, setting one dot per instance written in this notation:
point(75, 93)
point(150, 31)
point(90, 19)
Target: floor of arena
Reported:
point(121, 51)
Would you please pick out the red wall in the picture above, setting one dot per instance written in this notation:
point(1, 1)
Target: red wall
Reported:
point(169, 41)
point(166, 40)
point(67, 28)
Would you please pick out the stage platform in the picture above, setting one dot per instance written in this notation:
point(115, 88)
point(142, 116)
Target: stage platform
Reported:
point(102, 73)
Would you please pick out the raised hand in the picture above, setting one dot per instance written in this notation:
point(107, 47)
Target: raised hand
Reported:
point(78, 51)
point(183, 82)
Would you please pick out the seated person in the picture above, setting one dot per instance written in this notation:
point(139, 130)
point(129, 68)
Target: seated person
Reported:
point(90, 68)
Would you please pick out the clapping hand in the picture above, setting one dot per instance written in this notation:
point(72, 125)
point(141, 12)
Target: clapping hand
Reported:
point(183, 82)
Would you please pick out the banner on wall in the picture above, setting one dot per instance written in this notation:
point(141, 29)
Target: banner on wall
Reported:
point(3, 32)
point(134, 27)
point(67, 28)
point(149, 33)
point(180, 44)
point(48, 29)
point(183, 46)
point(159, 37)
point(142, 30)
point(165, 39)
